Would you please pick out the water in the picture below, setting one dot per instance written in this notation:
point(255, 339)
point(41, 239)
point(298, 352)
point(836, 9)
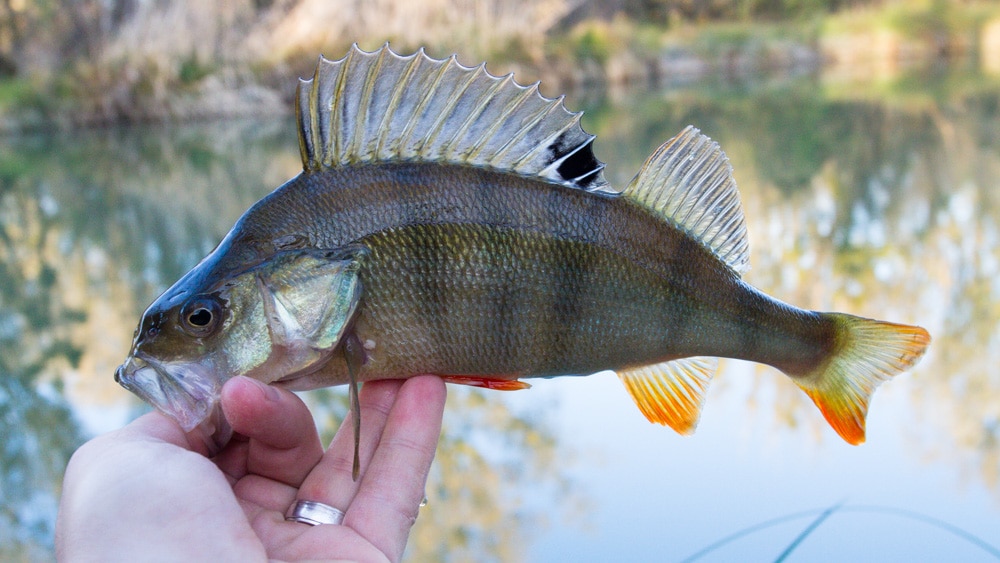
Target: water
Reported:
point(876, 198)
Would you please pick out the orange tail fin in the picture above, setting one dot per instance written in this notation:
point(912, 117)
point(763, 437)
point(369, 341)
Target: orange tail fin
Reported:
point(868, 352)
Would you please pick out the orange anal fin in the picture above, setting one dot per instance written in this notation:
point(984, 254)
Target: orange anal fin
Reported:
point(487, 382)
point(671, 393)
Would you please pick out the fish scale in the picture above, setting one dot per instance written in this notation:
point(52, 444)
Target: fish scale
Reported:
point(451, 222)
point(465, 294)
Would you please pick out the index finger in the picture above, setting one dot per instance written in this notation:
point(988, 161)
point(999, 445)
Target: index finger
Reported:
point(392, 488)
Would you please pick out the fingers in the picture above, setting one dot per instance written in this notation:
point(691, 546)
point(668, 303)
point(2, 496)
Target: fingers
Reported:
point(386, 505)
point(332, 482)
point(282, 441)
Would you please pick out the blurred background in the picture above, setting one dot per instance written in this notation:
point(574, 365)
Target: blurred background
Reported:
point(865, 137)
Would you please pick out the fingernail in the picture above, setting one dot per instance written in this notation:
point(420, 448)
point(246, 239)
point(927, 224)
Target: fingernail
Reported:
point(270, 393)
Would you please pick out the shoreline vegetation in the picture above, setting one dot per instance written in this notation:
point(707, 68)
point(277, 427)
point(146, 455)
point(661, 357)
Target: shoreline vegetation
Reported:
point(74, 63)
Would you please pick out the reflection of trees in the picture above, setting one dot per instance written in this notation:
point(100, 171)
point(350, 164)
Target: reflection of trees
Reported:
point(87, 237)
point(885, 206)
point(92, 228)
point(966, 270)
point(35, 422)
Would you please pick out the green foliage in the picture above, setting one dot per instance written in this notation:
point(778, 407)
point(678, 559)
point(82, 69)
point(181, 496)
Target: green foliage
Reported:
point(676, 11)
point(513, 49)
point(922, 20)
point(19, 94)
point(593, 43)
point(937, 19)
point(785, 9)
point(589, 42)
point(722, 39)
point(193, 70)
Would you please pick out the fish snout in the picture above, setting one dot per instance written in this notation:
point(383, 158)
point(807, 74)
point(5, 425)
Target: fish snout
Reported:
point(125, 374)
point(184, 391)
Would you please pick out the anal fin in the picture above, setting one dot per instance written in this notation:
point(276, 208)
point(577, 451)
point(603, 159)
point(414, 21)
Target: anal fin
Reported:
point(487, 382)
point(671, 393)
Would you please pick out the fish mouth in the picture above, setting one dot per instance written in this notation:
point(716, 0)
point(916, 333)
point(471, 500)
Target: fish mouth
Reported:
point(186, 392)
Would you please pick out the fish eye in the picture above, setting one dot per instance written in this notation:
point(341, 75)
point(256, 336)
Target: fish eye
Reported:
point(201, 315)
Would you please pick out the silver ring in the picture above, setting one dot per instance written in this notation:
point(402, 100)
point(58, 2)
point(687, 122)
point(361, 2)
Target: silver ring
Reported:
point(313, 513)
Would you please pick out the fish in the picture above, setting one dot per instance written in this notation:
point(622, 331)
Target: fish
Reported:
point(452, 222)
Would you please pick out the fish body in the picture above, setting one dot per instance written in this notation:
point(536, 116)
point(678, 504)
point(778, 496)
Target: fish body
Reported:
point(531, 280)
point(455, 223)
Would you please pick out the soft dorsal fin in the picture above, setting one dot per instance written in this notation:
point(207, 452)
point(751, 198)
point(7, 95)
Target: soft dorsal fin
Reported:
point(383, 107)
point(689, 181)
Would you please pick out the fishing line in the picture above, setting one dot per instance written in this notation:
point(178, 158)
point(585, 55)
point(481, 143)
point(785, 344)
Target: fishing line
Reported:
point(821, 515)
point(805, 533)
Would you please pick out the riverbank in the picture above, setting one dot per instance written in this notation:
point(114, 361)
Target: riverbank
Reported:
point(174, 62)
point(877, 43)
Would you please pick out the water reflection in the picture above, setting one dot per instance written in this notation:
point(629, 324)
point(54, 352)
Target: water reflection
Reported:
point(93, 228)
point(885, 206)
point(882, 205)
point(35, 420)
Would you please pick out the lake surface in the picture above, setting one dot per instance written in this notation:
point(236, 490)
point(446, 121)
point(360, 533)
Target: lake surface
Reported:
point(879, 198)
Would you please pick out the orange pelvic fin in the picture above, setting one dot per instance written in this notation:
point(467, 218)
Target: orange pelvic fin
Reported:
point(867, 353)
point(486, 382)
point(671, 393)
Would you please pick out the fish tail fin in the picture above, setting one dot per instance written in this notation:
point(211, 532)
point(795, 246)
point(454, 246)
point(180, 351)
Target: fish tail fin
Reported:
point(867, 352)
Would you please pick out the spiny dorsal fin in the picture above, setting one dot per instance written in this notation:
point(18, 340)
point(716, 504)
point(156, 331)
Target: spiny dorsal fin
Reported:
point(671, 393)
point(689, 181)
point(382, 107)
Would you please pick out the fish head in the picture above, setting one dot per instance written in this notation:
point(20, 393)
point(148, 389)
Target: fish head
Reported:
point(279, 319)
point(189, 341)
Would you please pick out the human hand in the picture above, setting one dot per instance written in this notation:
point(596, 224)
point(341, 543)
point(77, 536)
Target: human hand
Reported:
point(149, 492)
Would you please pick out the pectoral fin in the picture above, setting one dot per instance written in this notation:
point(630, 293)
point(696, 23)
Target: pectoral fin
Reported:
point(671, 393)
point(355, 356)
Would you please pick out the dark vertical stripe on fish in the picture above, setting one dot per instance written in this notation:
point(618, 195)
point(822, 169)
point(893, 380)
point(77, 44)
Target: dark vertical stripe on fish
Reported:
point(570, 284)
point(431, 289)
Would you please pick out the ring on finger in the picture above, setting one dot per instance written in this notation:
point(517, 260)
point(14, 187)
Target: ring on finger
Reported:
point(313, 513)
